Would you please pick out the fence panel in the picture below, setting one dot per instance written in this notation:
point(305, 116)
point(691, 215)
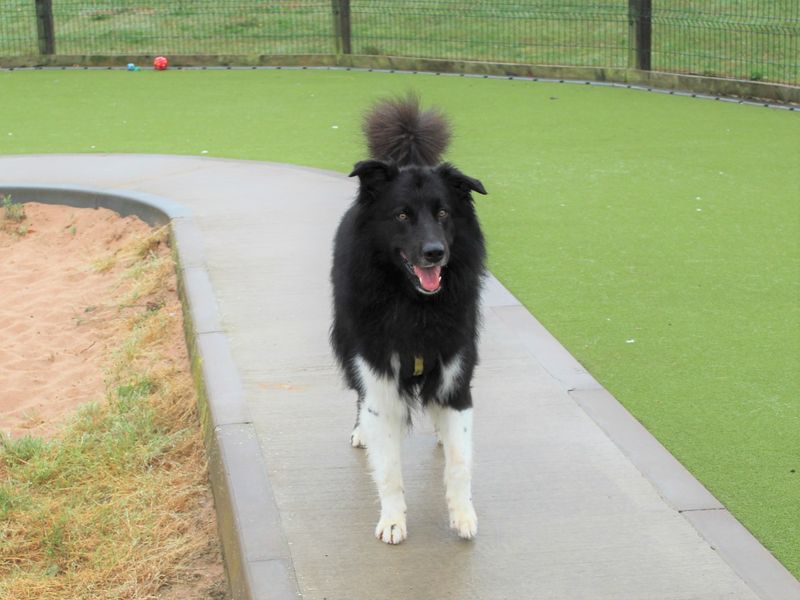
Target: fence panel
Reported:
point(744, 39)
point(740, 39)
point(550, 32)
point(173, 27)
point(18, 36)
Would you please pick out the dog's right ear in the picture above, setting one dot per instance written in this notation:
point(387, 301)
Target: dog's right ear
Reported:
point(373, 174)
point(461, 182)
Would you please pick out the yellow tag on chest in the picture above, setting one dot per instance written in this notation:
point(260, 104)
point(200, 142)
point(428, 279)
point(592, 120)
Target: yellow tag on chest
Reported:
point(419, 365)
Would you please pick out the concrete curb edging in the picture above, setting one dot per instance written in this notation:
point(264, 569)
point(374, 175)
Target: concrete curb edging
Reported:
point(256, 554)
point(256, 551)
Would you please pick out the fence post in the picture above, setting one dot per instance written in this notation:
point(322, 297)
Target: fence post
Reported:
point(639, 34)
point(44, 27)
point(341, 26)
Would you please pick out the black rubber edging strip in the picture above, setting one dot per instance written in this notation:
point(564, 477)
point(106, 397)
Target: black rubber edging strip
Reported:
point(255, 550)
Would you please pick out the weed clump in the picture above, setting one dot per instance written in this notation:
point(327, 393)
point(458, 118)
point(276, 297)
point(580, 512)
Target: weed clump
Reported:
point(13, 212)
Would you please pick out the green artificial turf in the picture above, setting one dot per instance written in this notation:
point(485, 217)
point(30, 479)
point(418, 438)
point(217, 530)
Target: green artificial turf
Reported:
point(658, 237)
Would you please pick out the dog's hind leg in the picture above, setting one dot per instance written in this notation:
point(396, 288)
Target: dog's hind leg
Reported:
point(455, 432)
point(356, 438)
point(383, 423)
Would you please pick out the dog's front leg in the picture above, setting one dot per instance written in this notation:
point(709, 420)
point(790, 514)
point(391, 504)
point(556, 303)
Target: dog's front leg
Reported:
point(356, 439)
point(455, 433)
point(383, 423)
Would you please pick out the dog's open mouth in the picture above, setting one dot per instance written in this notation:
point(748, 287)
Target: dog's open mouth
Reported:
point(428, 280)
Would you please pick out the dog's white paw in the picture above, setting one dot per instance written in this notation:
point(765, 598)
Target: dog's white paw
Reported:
point(391, 529)
point(356, 441)
point(464, 520)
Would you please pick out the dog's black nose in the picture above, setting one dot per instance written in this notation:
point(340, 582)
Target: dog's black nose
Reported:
point(433, 251)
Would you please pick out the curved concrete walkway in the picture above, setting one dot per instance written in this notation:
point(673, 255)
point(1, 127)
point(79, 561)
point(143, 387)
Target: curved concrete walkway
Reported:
point(575, 500)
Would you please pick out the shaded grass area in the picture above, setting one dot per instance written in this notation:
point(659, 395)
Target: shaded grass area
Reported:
point(655, 236)
point(744, 39)
point(110, 508)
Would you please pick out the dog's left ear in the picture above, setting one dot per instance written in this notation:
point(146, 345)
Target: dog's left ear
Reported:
point(457, 179)
point(373, 175)
point(374, 171)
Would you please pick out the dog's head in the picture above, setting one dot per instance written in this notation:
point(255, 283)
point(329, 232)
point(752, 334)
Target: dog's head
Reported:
point(415, 215)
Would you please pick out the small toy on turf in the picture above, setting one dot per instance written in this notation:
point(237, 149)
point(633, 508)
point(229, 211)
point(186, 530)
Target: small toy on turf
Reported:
point(160, 63)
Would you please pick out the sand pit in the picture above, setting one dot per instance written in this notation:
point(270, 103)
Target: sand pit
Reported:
point(58, 318)
point(74, 284)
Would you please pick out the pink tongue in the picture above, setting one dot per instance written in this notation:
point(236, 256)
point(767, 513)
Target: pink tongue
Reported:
point(428, 277)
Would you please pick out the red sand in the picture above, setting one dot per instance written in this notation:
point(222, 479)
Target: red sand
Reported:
point(56, 315)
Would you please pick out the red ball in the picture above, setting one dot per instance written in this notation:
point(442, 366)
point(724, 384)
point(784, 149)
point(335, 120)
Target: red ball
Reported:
point(160, 63)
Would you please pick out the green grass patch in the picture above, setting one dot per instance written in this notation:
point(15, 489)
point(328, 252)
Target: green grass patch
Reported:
point(11, 211)
point(13, 217)
point(655, 236)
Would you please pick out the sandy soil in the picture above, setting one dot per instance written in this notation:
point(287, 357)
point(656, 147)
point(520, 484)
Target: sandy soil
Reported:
point(59, 322)
point(55, 322)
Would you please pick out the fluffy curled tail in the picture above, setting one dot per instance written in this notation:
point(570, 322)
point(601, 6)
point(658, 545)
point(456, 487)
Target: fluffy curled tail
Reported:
point(399, 131)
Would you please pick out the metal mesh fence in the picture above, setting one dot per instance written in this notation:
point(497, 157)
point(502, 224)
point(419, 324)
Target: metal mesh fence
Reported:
point(743, 39)
point(551, 32)
point(171, 27)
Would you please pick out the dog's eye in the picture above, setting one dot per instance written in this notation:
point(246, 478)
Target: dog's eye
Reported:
point(443, 214)
point(401, 216)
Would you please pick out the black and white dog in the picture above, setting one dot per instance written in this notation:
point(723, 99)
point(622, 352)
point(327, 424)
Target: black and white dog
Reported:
point(408, 264)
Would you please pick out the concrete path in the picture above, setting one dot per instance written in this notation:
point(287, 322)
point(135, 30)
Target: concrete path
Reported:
point(575, 500)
